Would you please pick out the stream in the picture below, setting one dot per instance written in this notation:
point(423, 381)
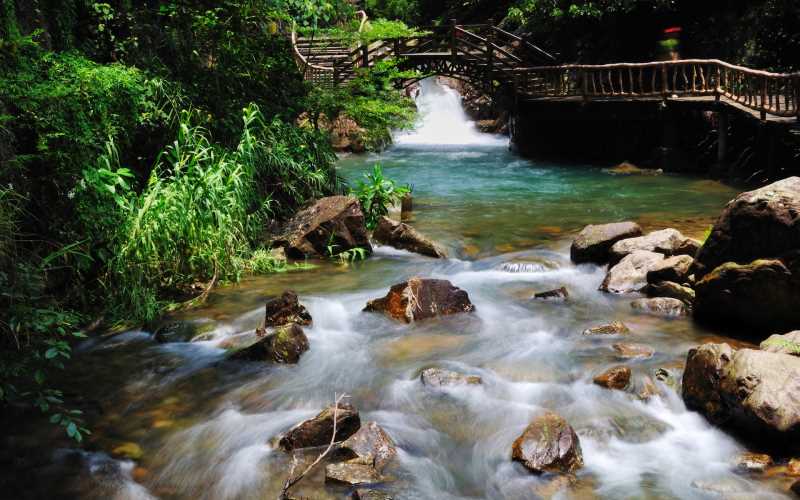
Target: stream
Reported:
point(200, 427)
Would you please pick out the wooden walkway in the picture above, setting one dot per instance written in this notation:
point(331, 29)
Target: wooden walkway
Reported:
point(494, 60)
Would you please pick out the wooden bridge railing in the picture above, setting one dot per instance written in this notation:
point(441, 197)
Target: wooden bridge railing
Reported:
point(501, 57)
point(768, 93)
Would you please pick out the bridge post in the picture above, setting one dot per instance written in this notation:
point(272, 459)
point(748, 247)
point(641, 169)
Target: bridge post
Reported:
point(763, 107)
point(453, 48)
point(490, 53)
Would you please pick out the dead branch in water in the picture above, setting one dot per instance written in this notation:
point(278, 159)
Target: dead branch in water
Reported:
point(290, 480)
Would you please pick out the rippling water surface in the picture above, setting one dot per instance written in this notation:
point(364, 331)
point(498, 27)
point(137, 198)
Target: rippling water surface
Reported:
point(205, 426)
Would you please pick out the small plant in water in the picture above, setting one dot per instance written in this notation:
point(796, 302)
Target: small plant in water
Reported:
point(377, 194)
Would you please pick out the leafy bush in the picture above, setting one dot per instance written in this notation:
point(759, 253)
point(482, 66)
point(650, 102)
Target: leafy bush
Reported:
point(377, 194)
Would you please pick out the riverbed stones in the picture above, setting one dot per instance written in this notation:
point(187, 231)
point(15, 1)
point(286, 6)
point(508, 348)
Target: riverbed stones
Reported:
point(788, 343)
point(616, 377)
point(763, 295)
point(334, 222)
point(422, 298)
point(661, 306)
point(759, 224)
point(352, 474)
point(594, 241)
point(439, 377)
point(630, 274)
point(401, 235)
point(746, 389)
point(672, 290)
point(665, 242)
point(284, 345)
point(371, 445)
point(317, 431)
point(286, 309)
point(613, 328)
point(675, 268)
point(557, 295)
point(633, 351)
point(548, 444)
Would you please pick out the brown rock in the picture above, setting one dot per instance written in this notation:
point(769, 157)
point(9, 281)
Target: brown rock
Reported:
point(317, 431)
point(750, 390)
point(633, 350)
point(764, 294)
point(362, 494)
point(559, 294)
point(613, 328)
point(630, 274)
point(438, 377)
point(285, 345)
point(675, 268)
point(405, 237)
point(760, 224)
point(795, 488)
point(627, 168)
point(286, 309)
point(670, 289)
point(352, 474)
point(371, 445)
point(617, 377)
point(793, 467)
point(420, 298)
point(335, 221)
point(548, 444)
point(661, 306)
point(594, 241)
point(665, 242)
point(788, 343)
point(753, 462)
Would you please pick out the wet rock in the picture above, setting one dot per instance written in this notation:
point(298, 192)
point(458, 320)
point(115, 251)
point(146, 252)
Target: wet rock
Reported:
point(362, 494)
point(352, 474)
point(675, 269)
point(793, 467)
point(402, 236)
point(752, 462)
point(548, 444)
point(371, 445)
point(690, 247)
point(788, 343)
point(613, 328)
point(672, 290)
point(285, 345)
point(627, 168)
point(633, 350)
point(286, 309)
point(594, 241)
point(630, 274)
point(795, 488)
point(764, 295)
point(421, 298)
point(438, 377)
point(559, 294)
point(753, 391)
point(182, 331)
point(335, 221)
point(755, 225)
point(617, 377)
point(661, 306)
point(648, 390)
point(665, 242)
point(638, 428)
point(317, 431)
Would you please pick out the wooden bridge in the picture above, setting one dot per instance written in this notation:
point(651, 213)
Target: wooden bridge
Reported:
point(496, 61)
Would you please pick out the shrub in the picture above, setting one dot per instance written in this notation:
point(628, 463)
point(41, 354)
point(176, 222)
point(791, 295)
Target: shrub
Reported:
point(377, 194)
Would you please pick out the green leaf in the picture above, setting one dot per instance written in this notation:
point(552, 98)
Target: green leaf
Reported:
point(72, 429)
point(55, 418)
point(51, 353)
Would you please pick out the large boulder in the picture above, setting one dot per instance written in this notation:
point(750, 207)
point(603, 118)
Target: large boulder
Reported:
point(675, 269)
point(285, 345)
point(630, 274)
point(760, 224)
point(421, 298)
point(371, 445)
point(548, 444)
point(317, 431)
point(331, 225)
point(439, 377)
point(751, 390)
point(594, 241)
point(764, 295)
point(286, 309)
point(402, 236)
point(786, 344)
point(667, 242)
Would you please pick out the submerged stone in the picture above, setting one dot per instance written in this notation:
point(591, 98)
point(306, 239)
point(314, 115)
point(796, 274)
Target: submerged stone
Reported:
point(559, 294)
point(548, 444)
point(633, 350)
point(439, 377)
point(613, 328)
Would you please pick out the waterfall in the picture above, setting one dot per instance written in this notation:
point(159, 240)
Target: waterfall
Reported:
point(442, 121)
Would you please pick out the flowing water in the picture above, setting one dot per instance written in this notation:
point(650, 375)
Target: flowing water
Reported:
point(204, 427)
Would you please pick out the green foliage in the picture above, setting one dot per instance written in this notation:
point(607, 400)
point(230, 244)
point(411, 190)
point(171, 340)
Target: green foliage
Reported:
point(382, 29)
point(405, 10)
point(376, 194)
